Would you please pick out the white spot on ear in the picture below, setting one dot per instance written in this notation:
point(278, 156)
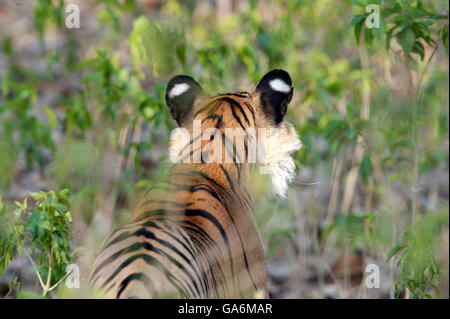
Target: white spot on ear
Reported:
point(178, 89)
point(279, 85)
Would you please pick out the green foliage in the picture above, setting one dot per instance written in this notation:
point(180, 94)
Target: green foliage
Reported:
point(20, 128)
point(110, 15)
point(43, 232)
point(412, 24)
point(418, 268)
point(408, 22)
point(7, 240)
point(358, 22)
point(156, 47)
point(76, 164)
point(105, 84)
point(351, 229)
point(7, 161)
point(48, 11)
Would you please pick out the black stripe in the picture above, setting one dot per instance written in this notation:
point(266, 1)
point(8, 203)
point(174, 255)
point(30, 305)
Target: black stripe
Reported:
point(198, 230)
point(236, 117)
point(149, 247)
point(213, 181)
point(234, 105)
point(139, 277)
point(243, 94)
point(176, 229)
point(230, 181)
point(251, 111)
point(212, 219)
point(136, 246)
point(151, 235)
point(158, 212)
point(232, 219)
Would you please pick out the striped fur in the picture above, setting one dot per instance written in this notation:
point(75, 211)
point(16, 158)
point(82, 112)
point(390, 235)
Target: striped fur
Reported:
point(194, 234)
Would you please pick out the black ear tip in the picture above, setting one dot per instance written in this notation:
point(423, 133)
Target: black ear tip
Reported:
point(181, 78)
point(276, 74)
point(281, 73)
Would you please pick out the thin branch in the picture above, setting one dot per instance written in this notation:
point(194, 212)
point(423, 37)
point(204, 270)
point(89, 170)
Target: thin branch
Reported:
point(14, 284)
point(419, 83)
point(335, 183)
point(35, 269)
point(352, 176)
point(416, 150)
point(59, 281)
point(49, 276)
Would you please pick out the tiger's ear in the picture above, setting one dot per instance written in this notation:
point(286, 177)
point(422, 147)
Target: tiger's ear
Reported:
point(275, 91)
point(181, 93)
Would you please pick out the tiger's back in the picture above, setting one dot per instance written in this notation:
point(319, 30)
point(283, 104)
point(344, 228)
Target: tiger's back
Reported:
point(194, 234)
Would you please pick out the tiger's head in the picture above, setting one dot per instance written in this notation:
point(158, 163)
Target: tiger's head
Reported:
point(266, 138)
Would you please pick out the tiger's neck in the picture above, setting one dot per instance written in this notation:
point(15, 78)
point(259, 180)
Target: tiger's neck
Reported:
point(234, 178)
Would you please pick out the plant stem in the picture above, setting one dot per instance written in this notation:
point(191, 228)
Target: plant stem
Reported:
point(49, 276)
point(352, 177)
point(11, 289)
point(59, 281)
point(416, 150)
point(35, 269)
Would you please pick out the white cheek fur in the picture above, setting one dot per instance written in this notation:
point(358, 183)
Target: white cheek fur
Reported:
point(278, 161)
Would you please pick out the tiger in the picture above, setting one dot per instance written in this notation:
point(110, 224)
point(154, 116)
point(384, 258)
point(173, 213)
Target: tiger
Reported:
point(194, 233)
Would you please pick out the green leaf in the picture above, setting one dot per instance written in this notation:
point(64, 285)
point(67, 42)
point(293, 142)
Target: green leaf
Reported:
point(419, 49)
point(368, 36)
point(64, 193)
point(356, 19)
point(357, 28)
point(60, 207)
point(34, 223)
point(51, 116)
point(444, 37)
point(325, 97)
point(394, 250)
point(406, 39)
point(38, 195)
point(366, 167)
